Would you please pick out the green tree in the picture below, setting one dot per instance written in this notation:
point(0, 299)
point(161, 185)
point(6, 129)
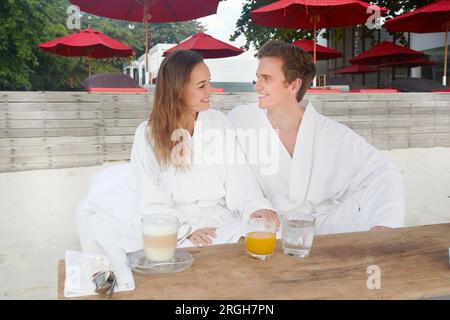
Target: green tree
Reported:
point(26, 23)
point(133, 34)
point(257, 35)
point(400, 6)
point(19, 22)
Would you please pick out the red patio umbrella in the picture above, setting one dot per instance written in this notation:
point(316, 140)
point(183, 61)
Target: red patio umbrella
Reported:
point(434, 17)
point(87, 43)
point(154, 11)
point(209, 47)
point(322, 53)
point(312, 14)
point(409, 63)
point(385, 52)
point(356, 69)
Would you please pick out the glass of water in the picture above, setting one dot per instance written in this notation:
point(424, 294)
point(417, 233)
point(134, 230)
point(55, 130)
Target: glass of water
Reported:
point(297, 233)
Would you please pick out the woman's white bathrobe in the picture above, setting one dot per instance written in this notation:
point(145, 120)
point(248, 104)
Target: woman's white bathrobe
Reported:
point(216, 192)
point(333, 173)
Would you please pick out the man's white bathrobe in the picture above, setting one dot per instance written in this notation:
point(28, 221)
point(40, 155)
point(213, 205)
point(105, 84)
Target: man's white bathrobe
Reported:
point(217, 192)
point(334, 173)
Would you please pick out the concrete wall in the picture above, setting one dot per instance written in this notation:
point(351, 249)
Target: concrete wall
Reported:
point(40, 130)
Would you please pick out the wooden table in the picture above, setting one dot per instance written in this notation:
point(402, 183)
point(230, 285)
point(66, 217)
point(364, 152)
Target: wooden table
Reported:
point(414, 264)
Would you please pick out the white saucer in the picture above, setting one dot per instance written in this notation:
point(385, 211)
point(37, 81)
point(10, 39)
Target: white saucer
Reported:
point(180, 262)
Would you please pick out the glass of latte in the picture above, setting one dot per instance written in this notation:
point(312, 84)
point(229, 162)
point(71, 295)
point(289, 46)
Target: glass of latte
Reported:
point(160, 233)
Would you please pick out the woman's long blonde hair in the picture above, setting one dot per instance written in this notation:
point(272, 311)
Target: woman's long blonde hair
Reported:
point(168, 105)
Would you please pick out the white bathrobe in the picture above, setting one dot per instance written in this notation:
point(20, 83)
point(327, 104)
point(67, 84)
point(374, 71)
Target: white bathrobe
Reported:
point(213, 192)
point(216, 192)
point(334, 173)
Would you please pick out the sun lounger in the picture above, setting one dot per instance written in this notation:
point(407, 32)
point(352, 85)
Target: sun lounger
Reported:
point(374, 90)
point(323, 91)
point(417, 85)
point(345, 82)
point(141, 90)
point(111, 82)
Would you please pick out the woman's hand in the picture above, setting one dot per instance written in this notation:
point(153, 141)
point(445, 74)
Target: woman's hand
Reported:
point(268, 214)
point(201, 237)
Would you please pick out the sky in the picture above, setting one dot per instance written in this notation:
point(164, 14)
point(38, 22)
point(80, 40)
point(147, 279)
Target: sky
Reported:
point(241, 68)
point(223, 24)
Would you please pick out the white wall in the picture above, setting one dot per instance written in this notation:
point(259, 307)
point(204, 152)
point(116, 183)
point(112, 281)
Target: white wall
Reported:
point(241, 68)
point(156, 57)
point(425, 41)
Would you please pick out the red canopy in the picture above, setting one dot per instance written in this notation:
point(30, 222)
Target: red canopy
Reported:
point(434, 17)
point(158, 11)
point(87, 43)
point(155, 11)
point(356, 69)
point(312, 14)
point(409, 63)
point(207, 46)
point(322, 53)
point(296, 14)
point(385, 52)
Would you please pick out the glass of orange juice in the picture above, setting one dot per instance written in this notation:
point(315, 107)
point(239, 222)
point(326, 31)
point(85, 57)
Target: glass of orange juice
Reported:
point(260, 238)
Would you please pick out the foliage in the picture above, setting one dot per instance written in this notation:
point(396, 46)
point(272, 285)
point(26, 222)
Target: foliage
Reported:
point(26, 23)
point(257, 35)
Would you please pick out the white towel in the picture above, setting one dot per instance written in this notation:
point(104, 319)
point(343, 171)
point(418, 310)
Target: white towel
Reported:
point(81, 266)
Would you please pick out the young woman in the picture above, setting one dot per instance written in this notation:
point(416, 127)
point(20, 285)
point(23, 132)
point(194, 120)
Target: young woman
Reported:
point(178, 160)
point(184, 162)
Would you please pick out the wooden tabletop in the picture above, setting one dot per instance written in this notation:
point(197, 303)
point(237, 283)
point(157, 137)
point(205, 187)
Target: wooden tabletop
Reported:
point(414, 264)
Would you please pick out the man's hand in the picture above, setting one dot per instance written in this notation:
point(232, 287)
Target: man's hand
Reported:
point(269, 214)
point(201, 237)
point(379, 228)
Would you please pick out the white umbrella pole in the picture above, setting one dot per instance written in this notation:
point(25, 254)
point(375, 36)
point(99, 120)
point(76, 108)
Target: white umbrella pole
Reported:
point(89, 62)
point(444, 77)
point(315, 45)
point(315, 50)
point(147, 73)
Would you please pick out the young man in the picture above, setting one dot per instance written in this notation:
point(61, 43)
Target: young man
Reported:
point(321, 166)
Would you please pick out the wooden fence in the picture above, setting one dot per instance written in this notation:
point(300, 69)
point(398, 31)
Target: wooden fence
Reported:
point(40, 130)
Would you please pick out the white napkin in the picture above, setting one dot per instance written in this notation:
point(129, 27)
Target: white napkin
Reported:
point(81, 266)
